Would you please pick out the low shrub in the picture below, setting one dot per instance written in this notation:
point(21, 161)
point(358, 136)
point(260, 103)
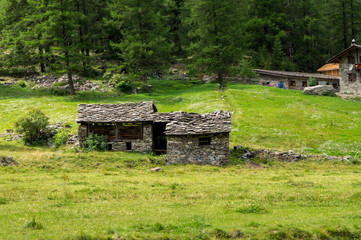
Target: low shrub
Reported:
point(34, 127)
point(311, 82)
point(61, 137)
point(252, 208)
point(124, 86)
point(59, 91)
point(3, 201)
point(33, 224)
point(22, 84)
point(292, 233)
point(95, 142)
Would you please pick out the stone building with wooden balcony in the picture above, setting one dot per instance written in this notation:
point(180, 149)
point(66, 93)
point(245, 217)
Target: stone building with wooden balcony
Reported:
point(185, 137)
point(349, 61)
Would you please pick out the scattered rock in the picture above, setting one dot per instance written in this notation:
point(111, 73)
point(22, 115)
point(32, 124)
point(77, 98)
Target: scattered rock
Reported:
point(8, 161)
point(318, 90)
point(235, 148)
point(157, 169)
point(73, 140)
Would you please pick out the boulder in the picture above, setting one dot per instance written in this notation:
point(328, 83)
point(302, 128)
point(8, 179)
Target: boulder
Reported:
point(318, 90)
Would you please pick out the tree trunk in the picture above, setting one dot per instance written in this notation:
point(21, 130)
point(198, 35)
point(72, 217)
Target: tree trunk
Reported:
point(220, 78)
point(345, 44)
point(66, 52)
point(42, 60)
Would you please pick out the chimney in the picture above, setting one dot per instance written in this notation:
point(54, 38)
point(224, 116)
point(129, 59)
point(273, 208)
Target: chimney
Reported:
point(353, 42)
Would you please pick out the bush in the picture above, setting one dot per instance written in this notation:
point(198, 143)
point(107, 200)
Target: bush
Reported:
point(22, 84)
point(61, 137)
point(59, 91)
point(122, 83)
point(311, 82)
point(34, 127)
point(33, 225)
point(95, 142)
point(124, 86)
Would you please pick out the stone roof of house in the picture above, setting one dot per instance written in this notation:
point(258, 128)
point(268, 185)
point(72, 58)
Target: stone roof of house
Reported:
point(215, 122)
point(294, 74)
point(336, 58)
point(110, 113)
point(178, 123)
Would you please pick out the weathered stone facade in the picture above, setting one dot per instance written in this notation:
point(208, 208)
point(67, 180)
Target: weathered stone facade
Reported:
point(186, 137)
point(350, 75)
point(187, 149)
point(349, 86)
point(294, 80)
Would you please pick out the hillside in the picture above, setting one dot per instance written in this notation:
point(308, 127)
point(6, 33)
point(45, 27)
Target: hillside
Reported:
point(64, 194)
point(262, 117)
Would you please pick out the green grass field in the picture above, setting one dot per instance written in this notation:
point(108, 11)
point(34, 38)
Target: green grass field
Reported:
point(114, 195)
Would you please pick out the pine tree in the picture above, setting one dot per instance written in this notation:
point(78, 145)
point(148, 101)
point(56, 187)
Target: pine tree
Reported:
point(216, 36)
point(143, 48)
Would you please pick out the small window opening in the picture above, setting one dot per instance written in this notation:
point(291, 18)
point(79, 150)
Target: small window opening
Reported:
point(109, 147)
point(267, 83)
point(352, 77)
point(335, 86)
point(304, 84)
point(293, 83)
point(128, 146)
point(204, 141)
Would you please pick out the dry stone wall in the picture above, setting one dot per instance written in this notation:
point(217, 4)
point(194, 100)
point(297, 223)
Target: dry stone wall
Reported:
point(186, 149)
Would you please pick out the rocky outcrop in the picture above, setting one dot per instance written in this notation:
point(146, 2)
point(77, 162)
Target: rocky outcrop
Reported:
point(319, 90)
point(8, 161)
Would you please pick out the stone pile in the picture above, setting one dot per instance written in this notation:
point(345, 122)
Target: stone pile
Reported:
point(7, 161)
point(73, 140)
point(50, 80)
point(286, 156)
point(289, 156)
point(7, 83)
point(10, 135)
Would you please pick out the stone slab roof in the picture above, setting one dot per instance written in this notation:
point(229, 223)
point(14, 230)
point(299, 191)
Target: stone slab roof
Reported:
point(295, 74)
point(110, 113)
point(215, 122)
point(178, 123)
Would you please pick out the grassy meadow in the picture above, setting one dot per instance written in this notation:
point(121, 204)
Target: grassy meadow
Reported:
point(64, 194)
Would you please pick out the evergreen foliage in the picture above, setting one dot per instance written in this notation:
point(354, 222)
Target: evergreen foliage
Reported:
point(139, 38)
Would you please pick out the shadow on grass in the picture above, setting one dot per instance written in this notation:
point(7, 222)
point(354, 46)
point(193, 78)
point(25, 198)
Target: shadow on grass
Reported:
point(11, 147)
point(14, 92)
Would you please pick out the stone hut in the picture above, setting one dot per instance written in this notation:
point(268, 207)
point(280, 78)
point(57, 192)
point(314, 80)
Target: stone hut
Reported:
point(294, 80)
point(349, 61)
point(185, 137)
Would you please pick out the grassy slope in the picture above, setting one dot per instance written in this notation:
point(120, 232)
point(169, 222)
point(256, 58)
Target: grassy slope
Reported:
point(262, 117)
point(114, 194)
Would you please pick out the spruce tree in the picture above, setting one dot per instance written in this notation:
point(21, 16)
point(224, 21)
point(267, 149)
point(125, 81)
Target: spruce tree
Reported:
point(216, 36)
point(143, 48)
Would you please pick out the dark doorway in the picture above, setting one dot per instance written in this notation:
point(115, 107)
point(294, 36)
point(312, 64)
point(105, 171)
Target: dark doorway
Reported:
point(159, 138)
